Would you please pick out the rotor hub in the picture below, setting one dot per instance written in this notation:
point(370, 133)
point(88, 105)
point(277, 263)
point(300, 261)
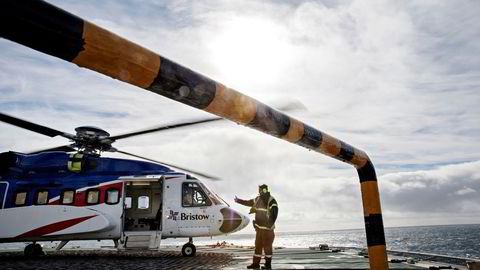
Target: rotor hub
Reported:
point(92, 139)
point(91, 132)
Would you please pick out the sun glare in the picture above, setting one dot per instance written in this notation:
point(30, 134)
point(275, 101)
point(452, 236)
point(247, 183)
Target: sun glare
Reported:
point(251, 48)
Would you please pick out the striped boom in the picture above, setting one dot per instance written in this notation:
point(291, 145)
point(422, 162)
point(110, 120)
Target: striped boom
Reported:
point(53, 31)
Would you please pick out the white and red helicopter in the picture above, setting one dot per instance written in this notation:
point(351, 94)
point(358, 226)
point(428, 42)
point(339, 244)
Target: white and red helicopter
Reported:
point(71, 193)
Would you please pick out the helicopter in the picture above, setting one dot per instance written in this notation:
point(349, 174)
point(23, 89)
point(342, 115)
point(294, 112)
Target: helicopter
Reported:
point(71, 192)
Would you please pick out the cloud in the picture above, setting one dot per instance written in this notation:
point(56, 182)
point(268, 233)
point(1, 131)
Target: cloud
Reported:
point(465, 190)
point(445, 191)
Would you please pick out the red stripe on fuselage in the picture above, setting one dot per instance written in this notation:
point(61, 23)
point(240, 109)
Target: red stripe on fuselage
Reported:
point(54, 227)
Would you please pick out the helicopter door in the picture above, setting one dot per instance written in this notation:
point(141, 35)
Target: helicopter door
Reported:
point(142, 223)
point(186, 209)
point(3, 193)
point(171, 207)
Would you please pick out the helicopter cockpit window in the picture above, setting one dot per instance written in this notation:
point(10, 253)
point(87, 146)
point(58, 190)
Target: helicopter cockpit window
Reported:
point(68, 197)
point(93, 196)
point(193, 195)
point(216, 200)
point(20, 198)
point(112, 196)
point(42, 197)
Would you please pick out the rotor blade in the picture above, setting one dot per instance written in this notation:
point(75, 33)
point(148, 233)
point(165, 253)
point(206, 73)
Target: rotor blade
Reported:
point(63, 148)
point(160, 128)
point(291, 105)
point(171, 165)
point(33, 127)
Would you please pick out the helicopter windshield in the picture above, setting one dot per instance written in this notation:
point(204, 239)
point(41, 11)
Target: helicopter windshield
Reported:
point(212, 195)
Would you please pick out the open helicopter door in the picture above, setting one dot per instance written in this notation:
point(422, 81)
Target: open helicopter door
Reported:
point(171, 208)
point(142, 216)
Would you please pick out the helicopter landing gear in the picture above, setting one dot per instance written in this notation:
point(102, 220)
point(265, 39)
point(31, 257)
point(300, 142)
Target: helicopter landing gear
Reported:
point(33, 250)
point(189, 250)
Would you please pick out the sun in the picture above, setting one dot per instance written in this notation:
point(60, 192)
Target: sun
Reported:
point(249, 48)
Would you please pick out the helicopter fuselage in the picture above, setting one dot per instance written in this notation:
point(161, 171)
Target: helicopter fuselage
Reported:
point(58, 196)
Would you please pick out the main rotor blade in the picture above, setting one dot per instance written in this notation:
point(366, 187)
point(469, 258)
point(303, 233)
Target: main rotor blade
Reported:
point(33, 127)
point(289, 106)
point(214, 178)
point(63, 148)
point(160, 128)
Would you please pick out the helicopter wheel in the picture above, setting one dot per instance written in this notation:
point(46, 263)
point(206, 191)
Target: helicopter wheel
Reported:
point(28, 251)
point(33, 250)
point(189, 250)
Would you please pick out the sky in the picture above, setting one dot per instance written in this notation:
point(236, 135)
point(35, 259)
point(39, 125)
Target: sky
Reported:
point(397, 79)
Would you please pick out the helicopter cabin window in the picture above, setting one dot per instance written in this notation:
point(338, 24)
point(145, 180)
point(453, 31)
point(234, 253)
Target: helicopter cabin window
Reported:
point(20, 198)
point(193, 195)
point(68, 197)
point(93, 196)
point(42, 197)
point(143, 202)
point(128, 202)
point(112, 196)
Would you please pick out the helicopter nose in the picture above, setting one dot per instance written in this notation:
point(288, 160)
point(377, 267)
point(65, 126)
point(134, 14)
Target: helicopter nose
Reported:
point(245, 221)
point(232, 220)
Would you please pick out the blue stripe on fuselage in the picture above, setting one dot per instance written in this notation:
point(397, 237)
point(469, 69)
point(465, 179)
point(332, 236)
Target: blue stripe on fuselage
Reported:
point(49, 171)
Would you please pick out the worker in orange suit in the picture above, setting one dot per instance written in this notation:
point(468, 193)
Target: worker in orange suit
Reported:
point(266, 211)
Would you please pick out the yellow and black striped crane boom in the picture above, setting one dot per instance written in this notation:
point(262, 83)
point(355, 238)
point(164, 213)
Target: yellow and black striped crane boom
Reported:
point(48, 29)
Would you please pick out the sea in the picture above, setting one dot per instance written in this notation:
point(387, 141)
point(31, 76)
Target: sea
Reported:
point(450, 240)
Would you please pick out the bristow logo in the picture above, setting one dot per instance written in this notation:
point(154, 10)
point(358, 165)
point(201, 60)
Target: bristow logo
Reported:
point(173, 215)
point(184, 216)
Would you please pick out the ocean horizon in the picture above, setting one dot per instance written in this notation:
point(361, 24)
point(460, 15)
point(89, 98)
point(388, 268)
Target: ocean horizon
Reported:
point(457, 240)
point(363, 228)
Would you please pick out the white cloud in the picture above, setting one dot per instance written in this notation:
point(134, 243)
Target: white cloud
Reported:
point(465, 190)
point(434, 193)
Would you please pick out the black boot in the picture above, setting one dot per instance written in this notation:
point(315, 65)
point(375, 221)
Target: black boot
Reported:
point(268, 263)
point(255, 262)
